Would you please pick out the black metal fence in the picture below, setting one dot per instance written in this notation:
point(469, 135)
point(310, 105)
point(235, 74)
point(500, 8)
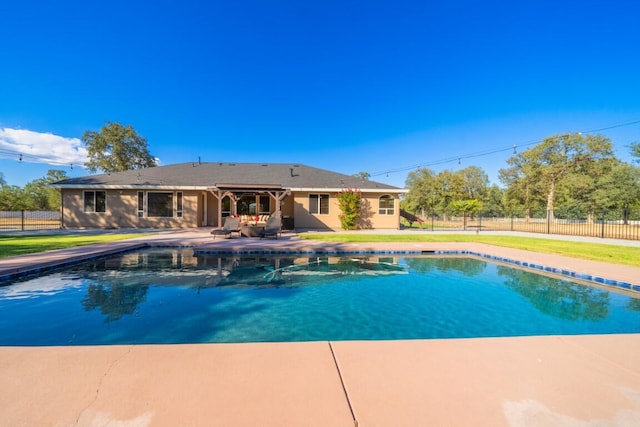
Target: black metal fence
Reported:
point(624, 224)
point(30, 220)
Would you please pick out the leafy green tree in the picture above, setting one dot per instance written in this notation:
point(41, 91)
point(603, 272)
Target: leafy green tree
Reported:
point(421, 198)
point(620, 188)
point(350, 202)
point(493, 203)
point(635, 151)
point(116, 148)
point(12, 198)
point(362, 176)
point(449, 187)
point(38, 194)
point(554, 159)
point(467, 208)
point(475, 182)
point(523, 187)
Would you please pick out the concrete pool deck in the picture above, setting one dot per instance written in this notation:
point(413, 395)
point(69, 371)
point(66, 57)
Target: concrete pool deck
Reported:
point(541, 381)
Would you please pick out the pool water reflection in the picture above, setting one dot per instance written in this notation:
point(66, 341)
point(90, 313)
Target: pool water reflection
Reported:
point(174, 296)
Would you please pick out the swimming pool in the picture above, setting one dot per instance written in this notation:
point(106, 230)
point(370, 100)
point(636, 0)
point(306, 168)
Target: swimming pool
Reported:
point(175, 296)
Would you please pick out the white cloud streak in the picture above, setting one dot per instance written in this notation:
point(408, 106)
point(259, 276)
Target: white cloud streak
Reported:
point(38, 147)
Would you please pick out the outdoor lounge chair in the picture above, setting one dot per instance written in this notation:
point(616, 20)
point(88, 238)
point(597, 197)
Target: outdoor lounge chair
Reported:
point(231, 225)
point(272, 228)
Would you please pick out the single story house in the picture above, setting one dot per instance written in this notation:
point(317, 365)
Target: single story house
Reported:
point(189, 195)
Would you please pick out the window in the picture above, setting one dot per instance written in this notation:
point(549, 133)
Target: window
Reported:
point(95, 201)
point(319, 204)
point(159, 204)
point(226, 206)
point(386, 205)
point(140, 204)
point(179, 204)
point(263, 207)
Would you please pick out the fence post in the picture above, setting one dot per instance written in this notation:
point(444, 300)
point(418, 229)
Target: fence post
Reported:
point(512, 222)
point(548, 222)
point(479, 224)
point(603, 214)
point(22, 220)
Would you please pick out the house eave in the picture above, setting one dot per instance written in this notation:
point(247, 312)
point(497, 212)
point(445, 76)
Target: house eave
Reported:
point(128, 187)
point(362, 190)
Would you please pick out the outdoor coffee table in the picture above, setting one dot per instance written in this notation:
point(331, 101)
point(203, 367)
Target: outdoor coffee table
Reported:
point(251, 230)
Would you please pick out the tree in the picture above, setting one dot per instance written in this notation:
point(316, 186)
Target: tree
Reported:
point(466, 207)
point(523, 187)
point(493, 203)
point(554, 160)
point(12, 198)
point(635, 151)
point(38, 194)
point(620, 188)
point(476, 182)
point(421, 196)
point(362, 176)
point(116, 148)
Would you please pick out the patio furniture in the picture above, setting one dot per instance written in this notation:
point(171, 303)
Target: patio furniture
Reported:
point(231, 225)
point(251, 230)
point(272, 228)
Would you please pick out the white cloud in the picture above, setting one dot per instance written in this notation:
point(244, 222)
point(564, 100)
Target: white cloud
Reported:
point(37, 147)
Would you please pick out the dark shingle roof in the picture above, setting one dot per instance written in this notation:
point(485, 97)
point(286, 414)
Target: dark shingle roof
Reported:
point(209, 175)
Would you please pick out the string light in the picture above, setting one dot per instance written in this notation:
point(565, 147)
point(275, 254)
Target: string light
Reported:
point(494, 151)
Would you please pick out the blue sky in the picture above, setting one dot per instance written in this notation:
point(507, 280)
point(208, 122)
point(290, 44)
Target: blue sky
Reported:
point(350, 86)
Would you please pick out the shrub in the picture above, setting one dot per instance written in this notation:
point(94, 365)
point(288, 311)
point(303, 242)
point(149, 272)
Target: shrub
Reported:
point(349, 201)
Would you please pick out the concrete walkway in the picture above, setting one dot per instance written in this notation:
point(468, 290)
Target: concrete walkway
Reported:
point(530, 381)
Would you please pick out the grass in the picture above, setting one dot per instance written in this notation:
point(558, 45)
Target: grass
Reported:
point(614, 254)
point(20, 245)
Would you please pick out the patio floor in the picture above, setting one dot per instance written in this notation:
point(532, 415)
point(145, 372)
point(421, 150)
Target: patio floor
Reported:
point(541, 381)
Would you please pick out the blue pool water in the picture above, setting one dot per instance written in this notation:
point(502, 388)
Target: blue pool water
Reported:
point(174, 296)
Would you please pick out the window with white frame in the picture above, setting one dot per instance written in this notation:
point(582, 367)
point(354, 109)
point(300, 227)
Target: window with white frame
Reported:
point(141, 204)
point(386, 205)
point(95, 201)
point(179, 204)
point(319, 204)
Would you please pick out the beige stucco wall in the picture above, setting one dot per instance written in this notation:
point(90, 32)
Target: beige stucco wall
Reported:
point(122, 212)
point(371, 219)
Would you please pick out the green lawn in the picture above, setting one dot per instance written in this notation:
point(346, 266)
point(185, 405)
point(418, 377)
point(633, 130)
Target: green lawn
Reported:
point(614, 254)
point(20, 245)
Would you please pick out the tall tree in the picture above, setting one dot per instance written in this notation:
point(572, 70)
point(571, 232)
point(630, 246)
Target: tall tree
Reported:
point(39, 196)
point(421, 198)
point(12, 198)
point(476, 182)
point(116, 148)
point(620, 188)
point(362, 176)
point(523, 186)
point(635, 151)
point(556, 157)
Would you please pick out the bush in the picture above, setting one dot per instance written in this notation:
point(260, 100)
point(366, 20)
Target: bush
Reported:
point(349, 201)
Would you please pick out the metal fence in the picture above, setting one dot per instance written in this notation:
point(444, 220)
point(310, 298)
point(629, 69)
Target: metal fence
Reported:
point(30, 220)
point(623, 224)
